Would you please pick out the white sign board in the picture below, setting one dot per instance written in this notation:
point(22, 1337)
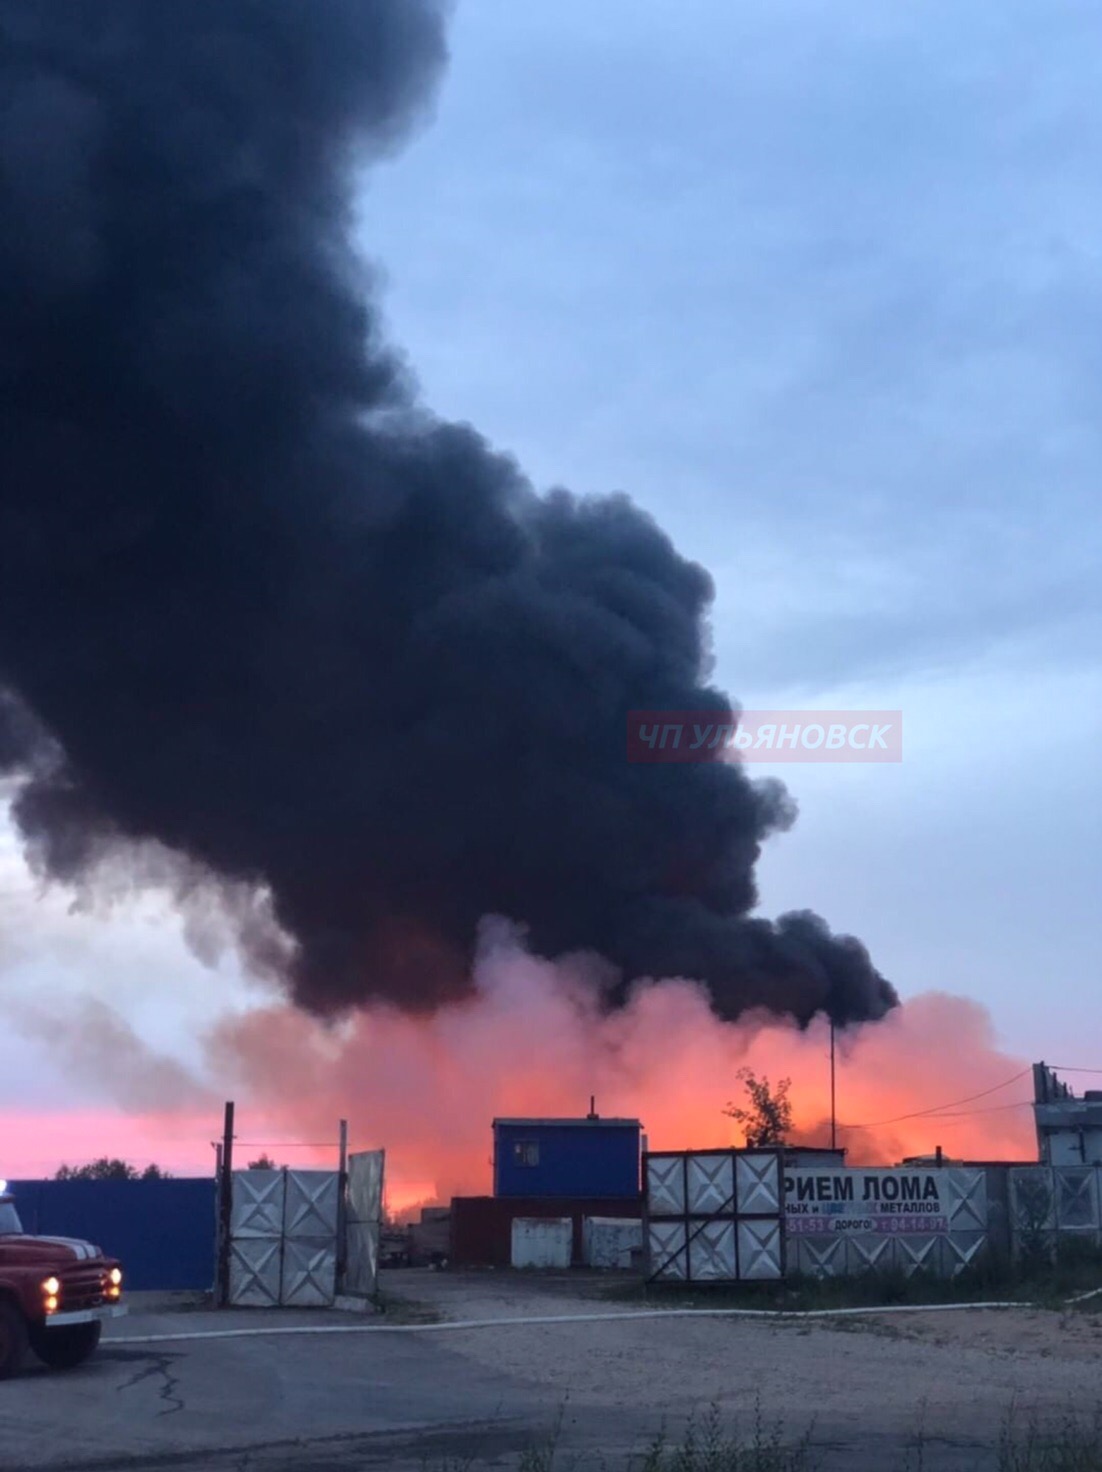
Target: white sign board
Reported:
point(818, 1200)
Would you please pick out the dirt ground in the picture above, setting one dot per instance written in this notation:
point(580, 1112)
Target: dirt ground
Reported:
point(475, 1369)
point(956, 1373)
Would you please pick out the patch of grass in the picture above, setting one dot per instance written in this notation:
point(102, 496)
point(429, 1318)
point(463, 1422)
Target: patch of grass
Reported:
point(1045, 1282)
point(709, 1443)
point(799, 1294)
point(1073, 1445)
point(709, 1446)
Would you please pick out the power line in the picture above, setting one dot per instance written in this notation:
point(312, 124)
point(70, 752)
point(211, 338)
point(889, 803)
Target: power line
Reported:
point(937, 1108)
point(286, 1144)
point(989, 1109)
point(1063, 1068)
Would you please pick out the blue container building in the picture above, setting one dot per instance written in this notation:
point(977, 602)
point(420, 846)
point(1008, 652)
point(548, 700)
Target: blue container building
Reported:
point(591, 1157)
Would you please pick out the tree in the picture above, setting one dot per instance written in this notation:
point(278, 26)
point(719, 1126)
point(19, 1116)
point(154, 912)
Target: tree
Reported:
point(108, 1169)
point(766, 1117)
point(263, 1162)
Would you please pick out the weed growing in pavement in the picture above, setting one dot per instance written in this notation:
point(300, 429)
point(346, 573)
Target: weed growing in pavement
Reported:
point(1073, 1445)
point(711, 1444)
point(708, 1446)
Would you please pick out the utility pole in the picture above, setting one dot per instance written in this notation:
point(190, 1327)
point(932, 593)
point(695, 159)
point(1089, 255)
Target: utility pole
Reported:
point(833, 1116)
point(225, 1206)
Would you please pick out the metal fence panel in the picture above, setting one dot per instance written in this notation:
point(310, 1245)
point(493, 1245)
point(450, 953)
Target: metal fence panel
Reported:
point(363, 1221)
point(967, 1200)
point(1076, 1198)
point(256, 1271)
point(283, 1238)
point(890, 1219)
point(823, 1257)
point(309, 1278)
point(1032, 1203)
point(759, 1184)
point(961, 1250)
point(869, 1252)
point(666, 1244)
point(709, 1183)
point(665, 1185)
point(918, 1254)
point(712, 1251)
point(257, 1208)
point(760, 1248)
point(1048, 1203)
point(310, 1205)
point(714, 1215)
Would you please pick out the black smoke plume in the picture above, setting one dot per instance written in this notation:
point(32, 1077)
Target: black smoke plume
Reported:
point(256, 604)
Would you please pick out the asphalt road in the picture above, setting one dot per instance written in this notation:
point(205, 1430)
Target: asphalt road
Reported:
point(296, 1401)
point(411, 1398)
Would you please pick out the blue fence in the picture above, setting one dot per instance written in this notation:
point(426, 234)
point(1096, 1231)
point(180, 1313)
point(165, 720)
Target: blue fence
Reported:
point(161, 1231)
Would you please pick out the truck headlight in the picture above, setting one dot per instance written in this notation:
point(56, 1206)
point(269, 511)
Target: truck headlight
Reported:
point(114, 1277)
point(51, 1287)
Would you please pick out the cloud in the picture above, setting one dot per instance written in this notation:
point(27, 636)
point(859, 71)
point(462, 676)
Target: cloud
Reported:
point(816, 282)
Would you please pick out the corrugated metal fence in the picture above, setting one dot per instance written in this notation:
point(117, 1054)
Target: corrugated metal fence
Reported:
point(283, 1238)
point(1054, 1204)
point(714, 1215)
point(162, 1231)
point(295, 1242)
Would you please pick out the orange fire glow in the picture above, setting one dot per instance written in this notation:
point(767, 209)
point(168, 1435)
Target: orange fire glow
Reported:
point(533, 1042)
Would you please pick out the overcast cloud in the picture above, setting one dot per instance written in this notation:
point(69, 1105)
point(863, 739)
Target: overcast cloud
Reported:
point(820, 285)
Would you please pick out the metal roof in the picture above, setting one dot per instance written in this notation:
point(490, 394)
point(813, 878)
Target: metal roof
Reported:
point(581, 1123)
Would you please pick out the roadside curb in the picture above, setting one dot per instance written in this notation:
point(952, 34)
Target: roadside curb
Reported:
point(458, 1325)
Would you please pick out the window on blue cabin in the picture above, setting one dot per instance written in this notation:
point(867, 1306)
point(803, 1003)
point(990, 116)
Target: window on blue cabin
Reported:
point(526, 1152)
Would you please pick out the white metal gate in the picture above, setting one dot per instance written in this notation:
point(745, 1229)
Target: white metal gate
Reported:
point(363, 1221)
point(283, 1238)
point(714, 1215)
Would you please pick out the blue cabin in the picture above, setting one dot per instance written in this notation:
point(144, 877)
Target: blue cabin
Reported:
point(567, 1157)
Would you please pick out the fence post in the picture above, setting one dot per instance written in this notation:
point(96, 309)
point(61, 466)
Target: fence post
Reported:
point(225, 1207)
point(342, 1214)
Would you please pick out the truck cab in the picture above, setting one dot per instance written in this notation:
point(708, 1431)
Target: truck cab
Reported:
point(55, 1293)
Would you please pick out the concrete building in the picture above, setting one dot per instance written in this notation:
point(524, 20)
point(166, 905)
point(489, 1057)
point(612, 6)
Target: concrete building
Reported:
point(1069, 1128)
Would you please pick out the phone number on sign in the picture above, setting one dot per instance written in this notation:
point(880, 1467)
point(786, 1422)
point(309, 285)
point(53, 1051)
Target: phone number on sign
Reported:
point(804, 1225)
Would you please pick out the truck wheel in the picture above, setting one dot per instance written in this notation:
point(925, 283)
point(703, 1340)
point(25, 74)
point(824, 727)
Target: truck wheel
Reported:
point(64, 1349)
point(13, 1339)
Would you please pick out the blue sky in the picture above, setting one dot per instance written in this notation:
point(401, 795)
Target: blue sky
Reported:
point(819, 284)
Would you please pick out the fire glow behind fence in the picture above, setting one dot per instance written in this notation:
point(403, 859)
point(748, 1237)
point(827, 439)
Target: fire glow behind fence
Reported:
point(765, 735)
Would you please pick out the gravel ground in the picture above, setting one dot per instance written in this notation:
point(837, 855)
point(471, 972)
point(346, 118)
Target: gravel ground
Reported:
point(958, 1373)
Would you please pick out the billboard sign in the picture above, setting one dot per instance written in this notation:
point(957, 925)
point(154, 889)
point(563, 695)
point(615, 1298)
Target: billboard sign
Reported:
point(820, 1201)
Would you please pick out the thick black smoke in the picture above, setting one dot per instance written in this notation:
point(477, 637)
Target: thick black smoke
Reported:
point(257, 605)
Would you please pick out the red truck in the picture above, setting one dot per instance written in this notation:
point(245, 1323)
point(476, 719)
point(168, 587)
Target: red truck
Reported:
point(55, 1293)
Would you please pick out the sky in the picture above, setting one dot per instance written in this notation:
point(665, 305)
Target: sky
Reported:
point(818, 284)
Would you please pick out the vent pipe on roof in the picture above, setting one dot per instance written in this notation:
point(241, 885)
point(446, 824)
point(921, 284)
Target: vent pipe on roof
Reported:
point(592, 1107)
